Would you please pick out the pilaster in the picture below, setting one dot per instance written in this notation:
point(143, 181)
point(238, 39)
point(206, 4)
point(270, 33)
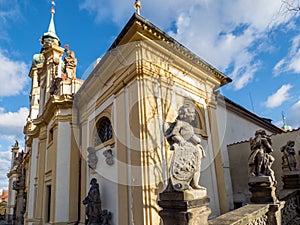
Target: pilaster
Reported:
point(218, 162)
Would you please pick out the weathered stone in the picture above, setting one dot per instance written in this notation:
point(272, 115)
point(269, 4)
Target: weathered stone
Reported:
point(183, 212)
point(261, 159)
point(262, 189)
point(288, 156)
point(188, 152)
point(291, 179)
point(274, 214)
point(251, 214)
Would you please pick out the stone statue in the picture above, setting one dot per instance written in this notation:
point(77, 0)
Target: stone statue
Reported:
point(92, 158)
point(260, 159)
point(186, 161)
point(93, 204)
point(288, 156)
point(54, 85)
point(16, 145)
point(70, 64)
point(109, 157)
point(19, 184)
point(19, 158)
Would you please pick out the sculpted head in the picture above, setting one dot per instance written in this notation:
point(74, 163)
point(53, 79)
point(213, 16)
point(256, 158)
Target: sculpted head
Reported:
point(187, 113)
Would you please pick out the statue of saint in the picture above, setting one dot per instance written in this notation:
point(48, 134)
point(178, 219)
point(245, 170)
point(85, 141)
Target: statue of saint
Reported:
point(93, 204)
point(288, 156)
point(70, 64)
point(188, 152)
point(19, 184)
point(260, 159)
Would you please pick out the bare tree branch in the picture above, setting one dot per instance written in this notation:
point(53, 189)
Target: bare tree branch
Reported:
point(291, 5)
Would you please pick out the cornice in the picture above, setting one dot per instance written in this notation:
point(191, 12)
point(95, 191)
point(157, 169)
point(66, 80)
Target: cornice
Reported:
point(146, 28)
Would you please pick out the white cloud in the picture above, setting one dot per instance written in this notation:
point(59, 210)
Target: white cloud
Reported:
point(4, 168)
point(281, 95)
point(9, 11)
point(226, 33)
point(14, 76)
point(12, 123)
point(291, 62)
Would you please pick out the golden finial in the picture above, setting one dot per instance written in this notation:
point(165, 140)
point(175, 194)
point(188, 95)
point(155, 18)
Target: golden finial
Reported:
point(137, 6)
point(52, 8)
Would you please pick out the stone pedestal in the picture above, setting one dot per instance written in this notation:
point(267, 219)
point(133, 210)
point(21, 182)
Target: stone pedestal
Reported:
point(184, 208)
point(262, 189)
point(291, 179)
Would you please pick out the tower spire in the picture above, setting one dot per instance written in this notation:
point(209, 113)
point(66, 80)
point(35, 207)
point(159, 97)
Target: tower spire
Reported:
point(137, 6)
point(50, 35)
point(285, 126)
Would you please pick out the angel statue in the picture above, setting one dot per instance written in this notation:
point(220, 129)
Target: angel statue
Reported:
point(188, 152)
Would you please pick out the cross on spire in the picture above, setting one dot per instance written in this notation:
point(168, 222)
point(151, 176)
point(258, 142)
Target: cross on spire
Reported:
point(53, 7)
point(137, 6)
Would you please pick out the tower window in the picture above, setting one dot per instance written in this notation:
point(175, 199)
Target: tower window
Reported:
point(104, 131)
point(50, 135)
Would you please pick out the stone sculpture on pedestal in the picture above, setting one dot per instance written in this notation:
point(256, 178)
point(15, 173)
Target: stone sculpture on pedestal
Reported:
point(184, 201)
point(70, 62)
point(288, 156)
point(188, 152)
point(291, 175)
point(94, 213)
point(261, 177)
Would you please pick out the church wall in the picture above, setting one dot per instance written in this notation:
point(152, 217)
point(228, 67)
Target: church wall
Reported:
point(39, 204)
point(161, 104)
point(33, 171)
point(74, 202)
point(62, 172)
point(105, 174)
point(122, 153)
point(232, 128)
point(142, 96)
point(11, 196)
point(81, 141)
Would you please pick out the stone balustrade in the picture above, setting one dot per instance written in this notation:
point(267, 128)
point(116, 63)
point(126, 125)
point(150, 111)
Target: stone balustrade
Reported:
point(252, 214)
point(285, 212)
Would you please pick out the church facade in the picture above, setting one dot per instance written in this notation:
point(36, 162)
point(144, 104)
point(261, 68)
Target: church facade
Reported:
point(111, 127)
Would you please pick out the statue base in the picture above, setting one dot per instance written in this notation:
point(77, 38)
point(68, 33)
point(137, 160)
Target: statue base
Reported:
point(262, 189)
point(291, 179)
point(188, 207)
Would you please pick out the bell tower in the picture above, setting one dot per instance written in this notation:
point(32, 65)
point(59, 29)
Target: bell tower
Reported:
point(54, 154)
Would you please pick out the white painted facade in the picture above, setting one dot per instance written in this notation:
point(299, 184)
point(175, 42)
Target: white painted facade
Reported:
point(33, 174)
point(235, 127)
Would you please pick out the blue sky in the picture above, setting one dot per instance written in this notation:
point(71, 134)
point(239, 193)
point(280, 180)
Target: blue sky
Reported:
point(256, 43)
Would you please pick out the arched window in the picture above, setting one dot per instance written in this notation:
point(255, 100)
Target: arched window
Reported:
point(103, 131)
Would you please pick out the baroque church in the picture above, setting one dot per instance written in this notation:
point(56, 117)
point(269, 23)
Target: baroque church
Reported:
point(108, 132)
